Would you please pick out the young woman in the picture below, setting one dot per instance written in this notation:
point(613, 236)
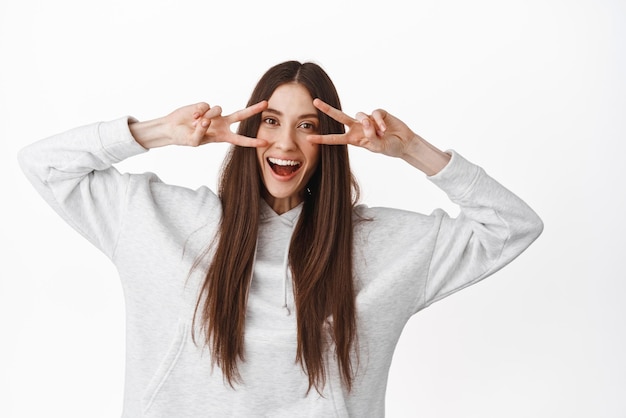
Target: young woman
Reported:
point(279, 296)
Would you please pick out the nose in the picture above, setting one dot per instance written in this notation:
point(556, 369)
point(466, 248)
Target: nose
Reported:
point(285, 139)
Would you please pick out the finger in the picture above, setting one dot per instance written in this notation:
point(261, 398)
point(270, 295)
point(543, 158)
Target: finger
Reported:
point(200, 109)
point(213, 113)
point(379, 116)
point(205, 120)
point(336, 114)
point(201, 127)
point(245, 141)
point(369, 128)
point(330, 139)
point(242, 114)
point(360, 116)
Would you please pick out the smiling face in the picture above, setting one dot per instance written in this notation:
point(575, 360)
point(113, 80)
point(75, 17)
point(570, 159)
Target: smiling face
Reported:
point(289, 160)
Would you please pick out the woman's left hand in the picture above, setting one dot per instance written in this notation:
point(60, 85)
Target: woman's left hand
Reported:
point(383, 133)
point(379, 132)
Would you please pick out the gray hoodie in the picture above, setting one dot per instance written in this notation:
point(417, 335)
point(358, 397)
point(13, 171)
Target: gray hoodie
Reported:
point(153, 232)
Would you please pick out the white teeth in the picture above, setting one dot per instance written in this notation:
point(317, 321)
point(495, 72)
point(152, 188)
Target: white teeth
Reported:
point(278, 161)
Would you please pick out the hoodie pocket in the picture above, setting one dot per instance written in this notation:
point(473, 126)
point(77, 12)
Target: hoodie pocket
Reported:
point(165, 369)
point(187, 386)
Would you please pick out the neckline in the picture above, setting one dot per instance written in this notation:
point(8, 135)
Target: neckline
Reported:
point(291, 215)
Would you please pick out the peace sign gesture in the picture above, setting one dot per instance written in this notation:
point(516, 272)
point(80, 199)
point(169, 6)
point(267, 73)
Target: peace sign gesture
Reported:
point(211, 126)
point(383, 133)
point(195, 125)
point(379, 132)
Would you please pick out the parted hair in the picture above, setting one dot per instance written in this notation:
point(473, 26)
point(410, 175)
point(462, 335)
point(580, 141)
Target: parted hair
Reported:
point(320, 251)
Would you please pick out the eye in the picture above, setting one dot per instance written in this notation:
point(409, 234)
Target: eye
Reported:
point(308, 126)
point(270, 121)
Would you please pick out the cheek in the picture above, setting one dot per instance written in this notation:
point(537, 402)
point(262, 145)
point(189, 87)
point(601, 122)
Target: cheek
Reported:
point(263, 134)
point(260, 156)
point(313, 153)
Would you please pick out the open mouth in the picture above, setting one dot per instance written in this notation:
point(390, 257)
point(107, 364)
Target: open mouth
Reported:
point(283, 167)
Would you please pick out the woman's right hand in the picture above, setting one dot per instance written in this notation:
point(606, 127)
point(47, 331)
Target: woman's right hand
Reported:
point(195, 125)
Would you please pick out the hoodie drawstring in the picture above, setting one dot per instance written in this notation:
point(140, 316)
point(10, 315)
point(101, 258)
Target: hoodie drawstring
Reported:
point(287, 271)
point(286, 275)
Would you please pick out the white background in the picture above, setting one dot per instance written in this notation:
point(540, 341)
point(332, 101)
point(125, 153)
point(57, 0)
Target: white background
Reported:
point(534, 91)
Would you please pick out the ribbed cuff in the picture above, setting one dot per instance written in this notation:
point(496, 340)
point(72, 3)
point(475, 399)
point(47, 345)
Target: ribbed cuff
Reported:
point(458, 177)
point(117, 140)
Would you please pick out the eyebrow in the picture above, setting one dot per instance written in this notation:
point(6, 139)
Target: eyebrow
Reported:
point(279, 113)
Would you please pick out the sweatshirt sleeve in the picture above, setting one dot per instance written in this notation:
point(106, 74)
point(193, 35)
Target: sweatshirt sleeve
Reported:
point(73, 172)
point(494, 227)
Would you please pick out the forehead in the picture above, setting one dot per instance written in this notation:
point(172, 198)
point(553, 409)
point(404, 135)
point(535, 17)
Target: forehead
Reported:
point(292, 98)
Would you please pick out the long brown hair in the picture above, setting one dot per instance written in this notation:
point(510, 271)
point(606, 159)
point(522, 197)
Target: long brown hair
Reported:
point(320, 252)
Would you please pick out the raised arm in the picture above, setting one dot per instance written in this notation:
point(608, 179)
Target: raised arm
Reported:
point(493, 227)
point(74, 173)
point(383, 133)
